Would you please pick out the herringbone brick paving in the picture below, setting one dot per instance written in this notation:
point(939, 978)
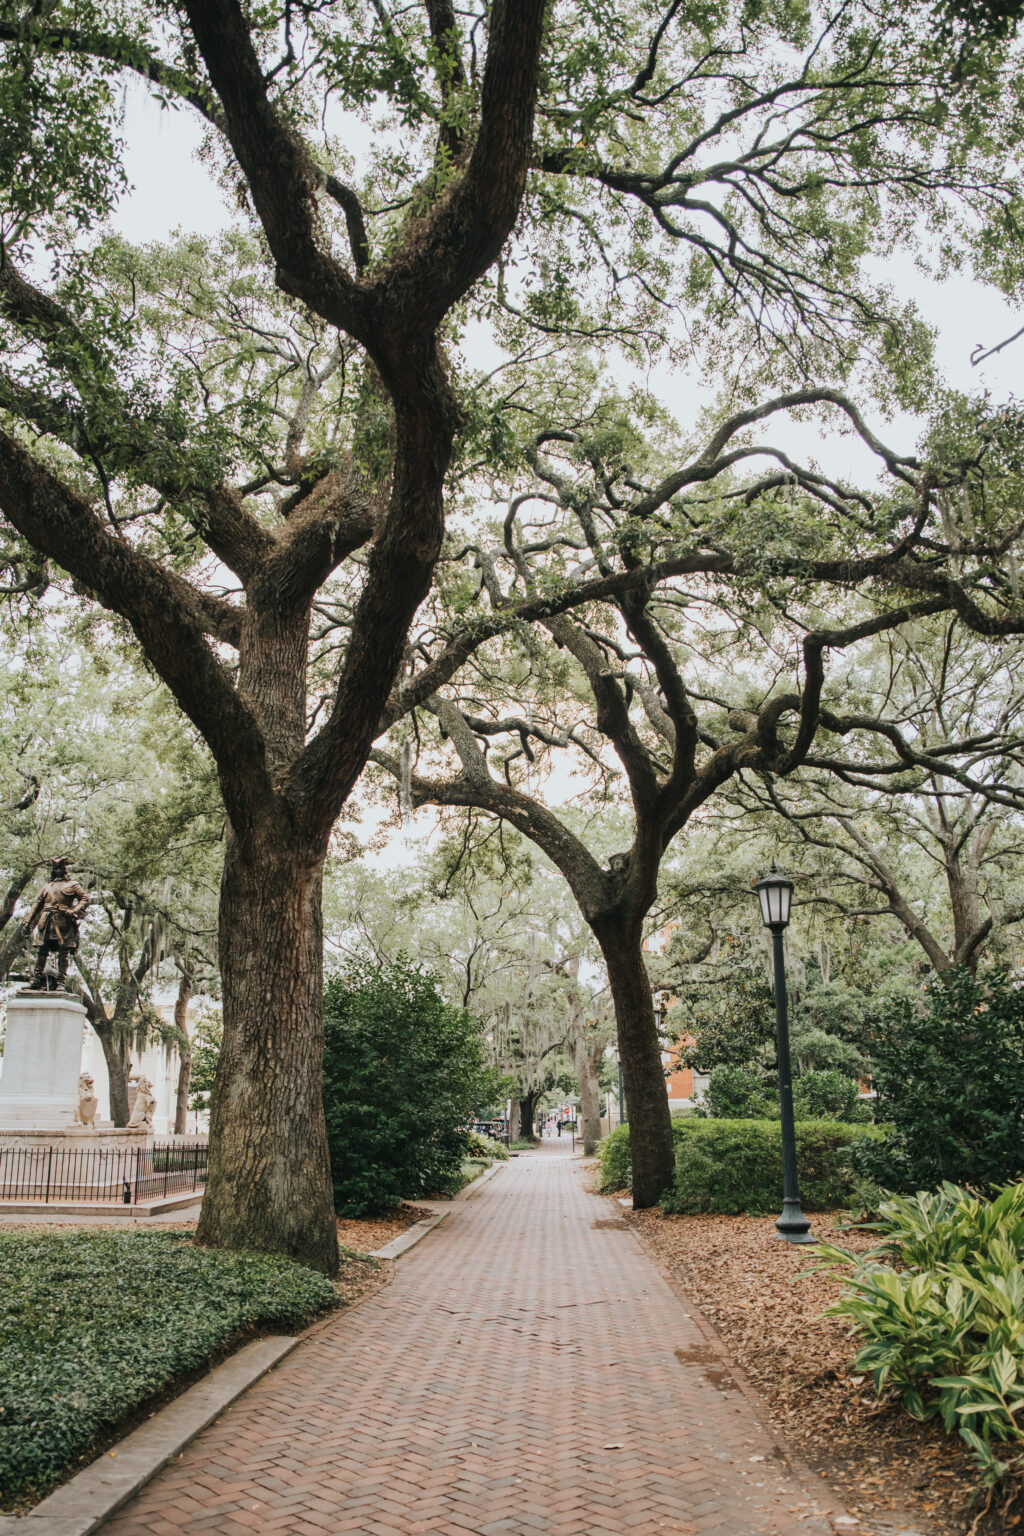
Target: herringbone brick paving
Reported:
point(526, 1370)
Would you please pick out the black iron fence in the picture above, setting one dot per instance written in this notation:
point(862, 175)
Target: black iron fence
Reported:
point(128, 1175)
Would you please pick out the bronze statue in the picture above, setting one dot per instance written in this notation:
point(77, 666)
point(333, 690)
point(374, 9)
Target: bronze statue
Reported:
point(56, 917)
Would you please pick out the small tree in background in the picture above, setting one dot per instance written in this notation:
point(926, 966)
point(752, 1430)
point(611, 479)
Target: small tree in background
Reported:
point(206, 1043)
point(949, 1070)
point(403, 1072)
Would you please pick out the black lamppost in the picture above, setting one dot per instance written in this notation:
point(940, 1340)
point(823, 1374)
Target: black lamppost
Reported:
point(775, 893)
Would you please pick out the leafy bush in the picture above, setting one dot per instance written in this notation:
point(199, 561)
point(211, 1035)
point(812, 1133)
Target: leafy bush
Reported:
point(94, 1324)
point(616, 1169)
point(828, 1095)
point(403, 1072)
point(485, 1147)
point(740, 1093)
point(947, 1328)
point(745, 1093)
point(734, 1166)
point(950, 1080)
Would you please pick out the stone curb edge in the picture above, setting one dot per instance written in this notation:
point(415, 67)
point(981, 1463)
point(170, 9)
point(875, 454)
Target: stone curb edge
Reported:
point(415, 1234)
point(82, 1504)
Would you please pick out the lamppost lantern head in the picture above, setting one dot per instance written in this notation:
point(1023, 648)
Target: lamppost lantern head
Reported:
point(775, 893)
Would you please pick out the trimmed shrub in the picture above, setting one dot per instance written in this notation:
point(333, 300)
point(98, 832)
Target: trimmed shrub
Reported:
point(949, 1070)
point(735, 1166)
point(95, 1324)
point(403, 1072)
point(613, 1160)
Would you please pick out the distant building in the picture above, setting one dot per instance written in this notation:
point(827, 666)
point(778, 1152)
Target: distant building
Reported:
point(683, 1085)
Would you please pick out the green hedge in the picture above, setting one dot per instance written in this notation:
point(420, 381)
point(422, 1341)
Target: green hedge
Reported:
point(93, 1325)
point(734, 1166)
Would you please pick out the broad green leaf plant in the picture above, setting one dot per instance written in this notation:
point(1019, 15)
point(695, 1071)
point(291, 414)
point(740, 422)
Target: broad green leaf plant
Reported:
point(946, 1328)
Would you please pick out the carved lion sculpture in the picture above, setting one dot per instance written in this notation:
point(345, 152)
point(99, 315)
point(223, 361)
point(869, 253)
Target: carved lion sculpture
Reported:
point(88, 1103)
point(145, 1104)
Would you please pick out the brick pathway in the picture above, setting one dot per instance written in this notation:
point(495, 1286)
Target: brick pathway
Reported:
point(526, 1370)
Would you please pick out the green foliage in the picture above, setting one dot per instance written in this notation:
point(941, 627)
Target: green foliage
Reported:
point(403, 1072)
point(949, 1071)
point(828, 1095)
point(616, 1169)
point(735, 1166)
point(946, 1328)
point(206, 1044)
point(746, 1093)
point(485, 1147)
point(95, 1324)
point(729, 1024)
point(740, 1093)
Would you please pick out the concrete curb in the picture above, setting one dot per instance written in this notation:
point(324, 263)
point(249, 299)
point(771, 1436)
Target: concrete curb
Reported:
point(87, 1500)
point(406, 1240)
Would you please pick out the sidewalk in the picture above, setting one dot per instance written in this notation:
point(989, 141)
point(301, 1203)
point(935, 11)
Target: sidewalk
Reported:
point(526, 1370)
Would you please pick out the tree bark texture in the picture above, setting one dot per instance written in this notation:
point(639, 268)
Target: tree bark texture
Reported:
point(513, 1120)
point(528, 1111)
point(588, 1058)
point(181, 1003)
point(269, 1183)
point(117, 1056)
point(650, 1122)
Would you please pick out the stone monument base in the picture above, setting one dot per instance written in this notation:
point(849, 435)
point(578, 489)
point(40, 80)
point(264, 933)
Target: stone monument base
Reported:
point(42, 1062)
point(102, 1134)
point(79, 1163)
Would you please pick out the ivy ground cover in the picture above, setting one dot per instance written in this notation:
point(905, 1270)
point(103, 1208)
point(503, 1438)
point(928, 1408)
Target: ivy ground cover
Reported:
point(94, 1325)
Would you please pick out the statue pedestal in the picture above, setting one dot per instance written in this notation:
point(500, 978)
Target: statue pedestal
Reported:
point(42, 1061)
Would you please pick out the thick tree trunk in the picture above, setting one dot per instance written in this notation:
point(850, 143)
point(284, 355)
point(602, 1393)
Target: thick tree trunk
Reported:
point(650, 1124)
point(117, 1055)
point(269, 1183)
point(962, 880)
point(181, 1003)
point(588, 1065)
point(513, 1120)
point(528, 1111)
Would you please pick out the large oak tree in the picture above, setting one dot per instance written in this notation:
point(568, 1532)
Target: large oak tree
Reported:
point(269, 1184)
point(690, 621)
point(254, 478)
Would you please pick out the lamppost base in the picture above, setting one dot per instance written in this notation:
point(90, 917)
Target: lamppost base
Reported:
point(793, 1226)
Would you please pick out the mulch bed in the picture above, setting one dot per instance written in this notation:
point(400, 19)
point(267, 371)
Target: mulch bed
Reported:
point(368, 1233)
point(880, 1462)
